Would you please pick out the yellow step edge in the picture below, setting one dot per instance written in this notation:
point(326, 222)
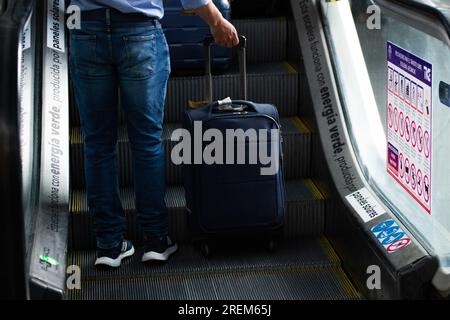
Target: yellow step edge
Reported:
point(75, 203)
point(75, 136)
point(346, 284)
point(301, 126)
point(289, 67)
point(197, 104)
point(309, 123)
point(328, 249)
point(323, 190)
point(313, 188)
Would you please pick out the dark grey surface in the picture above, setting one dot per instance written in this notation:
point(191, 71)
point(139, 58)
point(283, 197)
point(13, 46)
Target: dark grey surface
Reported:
point(301, 269)
point(12, 222)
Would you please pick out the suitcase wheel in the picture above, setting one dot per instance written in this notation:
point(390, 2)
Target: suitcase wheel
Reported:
point(205, 249)
point(271, 245)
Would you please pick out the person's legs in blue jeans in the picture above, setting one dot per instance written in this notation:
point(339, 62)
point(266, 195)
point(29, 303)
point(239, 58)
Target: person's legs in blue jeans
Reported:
point(96, 85)
point(134, 57)
point(143, 73)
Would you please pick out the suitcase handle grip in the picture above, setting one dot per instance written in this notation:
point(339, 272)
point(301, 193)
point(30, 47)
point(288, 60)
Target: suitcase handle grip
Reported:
point(242, 46)
point(209, 41)
point(242, 107)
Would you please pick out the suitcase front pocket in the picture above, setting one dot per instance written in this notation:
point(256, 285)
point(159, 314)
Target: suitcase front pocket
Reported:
point(234, 206)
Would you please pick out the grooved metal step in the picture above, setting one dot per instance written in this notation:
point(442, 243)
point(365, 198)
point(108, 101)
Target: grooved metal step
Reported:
point(297, 153)
point(273, 82)
point(293, 47)
point(305, 214)
point(300, 269)
point(266, 38)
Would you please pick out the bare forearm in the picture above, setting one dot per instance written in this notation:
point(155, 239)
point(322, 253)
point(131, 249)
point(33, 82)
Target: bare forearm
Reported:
point(210, 14)
point(223, 31)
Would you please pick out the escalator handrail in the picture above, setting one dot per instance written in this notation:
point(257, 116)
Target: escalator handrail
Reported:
point(443, 14)
point(13, 17)
point(440, 14)
point(16, 14)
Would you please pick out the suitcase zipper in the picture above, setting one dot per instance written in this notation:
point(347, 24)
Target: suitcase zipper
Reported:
point(245, 114)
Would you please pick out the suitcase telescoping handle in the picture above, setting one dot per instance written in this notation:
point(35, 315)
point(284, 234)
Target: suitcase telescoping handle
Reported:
point(242, 46)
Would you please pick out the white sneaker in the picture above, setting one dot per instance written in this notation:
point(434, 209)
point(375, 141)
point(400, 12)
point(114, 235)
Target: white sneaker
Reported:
point(113, 257)
point(158, 249)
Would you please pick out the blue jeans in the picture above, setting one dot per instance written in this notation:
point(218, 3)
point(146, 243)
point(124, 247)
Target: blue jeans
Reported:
point(134, 57)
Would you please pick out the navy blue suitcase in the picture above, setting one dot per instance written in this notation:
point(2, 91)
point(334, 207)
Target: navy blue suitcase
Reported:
point(234, 198)
point(185, 32)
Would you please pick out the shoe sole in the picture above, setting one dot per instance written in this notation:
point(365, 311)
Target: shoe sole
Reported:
point(113, 263)
point(159, 257)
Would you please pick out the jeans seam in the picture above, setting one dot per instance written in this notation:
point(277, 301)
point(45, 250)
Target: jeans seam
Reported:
point(153, 61)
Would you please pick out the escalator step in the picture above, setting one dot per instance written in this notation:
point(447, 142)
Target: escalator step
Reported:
point(300, 269)
point(284, 284)
point(319, 166)
point(274, 82)
point(294, 52)
point(297, 149)
point(305, 214)
point(266, 38)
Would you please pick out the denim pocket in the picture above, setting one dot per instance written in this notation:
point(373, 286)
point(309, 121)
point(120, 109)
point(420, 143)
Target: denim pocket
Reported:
point(83, 54)
point(141, 56)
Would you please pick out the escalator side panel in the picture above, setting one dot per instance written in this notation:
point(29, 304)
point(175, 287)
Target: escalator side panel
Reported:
point(12, 268)
point(48, 259)
point(341, 158)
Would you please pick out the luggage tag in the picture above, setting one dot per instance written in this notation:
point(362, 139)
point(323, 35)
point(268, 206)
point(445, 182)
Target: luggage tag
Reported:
point(223, 104)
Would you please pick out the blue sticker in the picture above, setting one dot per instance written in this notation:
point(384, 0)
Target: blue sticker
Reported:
point(382, 226)
point(391, 236)
point(388, 232)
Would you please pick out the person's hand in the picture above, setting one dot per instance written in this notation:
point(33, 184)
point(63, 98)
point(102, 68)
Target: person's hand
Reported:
point(225, 34)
